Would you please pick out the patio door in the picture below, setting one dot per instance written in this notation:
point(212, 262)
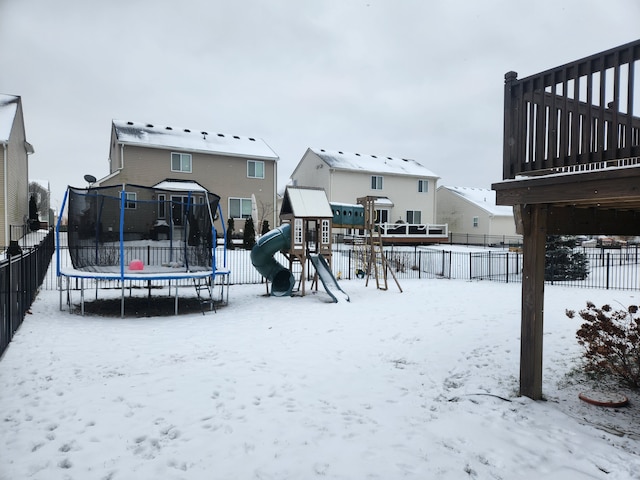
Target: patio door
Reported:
point(382, 215)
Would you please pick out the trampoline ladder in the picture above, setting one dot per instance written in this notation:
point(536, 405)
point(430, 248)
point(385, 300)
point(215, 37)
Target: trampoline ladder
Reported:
point(204, 293)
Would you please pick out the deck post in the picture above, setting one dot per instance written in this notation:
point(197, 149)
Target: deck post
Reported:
point(534, 218)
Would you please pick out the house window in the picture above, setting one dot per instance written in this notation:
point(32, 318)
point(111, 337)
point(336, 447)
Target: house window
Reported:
point(476, 222)
point(239, 207)
point(130, 200)
point(255, 169)
point(423, 186)
point(376, 182)
point(162, 208)
point(414, 216)
point(181, 162)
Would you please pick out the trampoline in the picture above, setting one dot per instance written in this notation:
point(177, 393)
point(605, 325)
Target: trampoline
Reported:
point(133, 233)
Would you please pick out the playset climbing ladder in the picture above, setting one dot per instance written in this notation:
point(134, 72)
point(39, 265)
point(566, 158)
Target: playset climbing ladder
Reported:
point(376, 261)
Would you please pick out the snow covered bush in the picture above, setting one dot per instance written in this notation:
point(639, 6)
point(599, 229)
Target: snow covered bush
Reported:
point(611, 339)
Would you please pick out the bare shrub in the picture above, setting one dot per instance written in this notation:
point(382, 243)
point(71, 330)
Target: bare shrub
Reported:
point(611, 339)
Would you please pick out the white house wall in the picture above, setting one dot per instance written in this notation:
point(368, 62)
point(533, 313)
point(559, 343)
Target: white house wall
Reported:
point(345, 186)
point(503, 226)
point(459, 213)
point(17, 176)
point(312, 172)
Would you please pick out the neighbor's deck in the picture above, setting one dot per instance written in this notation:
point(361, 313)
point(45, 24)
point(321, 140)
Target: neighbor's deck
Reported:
point(407, 234)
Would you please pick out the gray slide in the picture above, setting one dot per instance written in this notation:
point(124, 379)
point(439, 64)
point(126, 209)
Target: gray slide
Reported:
point(328, 280)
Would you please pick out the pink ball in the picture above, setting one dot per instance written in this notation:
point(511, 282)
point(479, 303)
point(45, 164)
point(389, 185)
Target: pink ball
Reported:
point(136, 265)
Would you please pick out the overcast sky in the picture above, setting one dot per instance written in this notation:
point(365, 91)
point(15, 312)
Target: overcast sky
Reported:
point(405, 78)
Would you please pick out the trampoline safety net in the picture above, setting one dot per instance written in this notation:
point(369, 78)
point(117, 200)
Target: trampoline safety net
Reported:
point(163, 229)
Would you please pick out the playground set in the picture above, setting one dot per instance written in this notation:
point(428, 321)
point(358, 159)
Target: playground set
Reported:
point(305, 237)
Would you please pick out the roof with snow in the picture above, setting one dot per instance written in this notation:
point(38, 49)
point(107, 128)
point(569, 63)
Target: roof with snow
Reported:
point(482, 198)
point(372, 163)
point(306, 202)
point(180, 186)
point(185, 139)
point(8, 109)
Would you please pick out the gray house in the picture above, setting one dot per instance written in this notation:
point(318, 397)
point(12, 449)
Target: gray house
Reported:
point(234, 167)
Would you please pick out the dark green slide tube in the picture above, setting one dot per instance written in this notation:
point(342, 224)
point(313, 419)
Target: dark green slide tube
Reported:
point(281, 278)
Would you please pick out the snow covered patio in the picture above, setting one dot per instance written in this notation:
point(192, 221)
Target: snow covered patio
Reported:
point(420, 384)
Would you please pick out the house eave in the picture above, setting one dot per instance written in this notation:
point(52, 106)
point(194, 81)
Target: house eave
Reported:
point(205, 152)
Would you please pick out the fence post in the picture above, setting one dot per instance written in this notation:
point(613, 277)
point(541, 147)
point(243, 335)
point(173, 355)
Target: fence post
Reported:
point(607, 270)
point(470, 267)
point(450, 264)
point(420, 264)
point(507, 266)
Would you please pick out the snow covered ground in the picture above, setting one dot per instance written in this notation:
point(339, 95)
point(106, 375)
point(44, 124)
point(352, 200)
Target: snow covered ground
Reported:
point(420, 384)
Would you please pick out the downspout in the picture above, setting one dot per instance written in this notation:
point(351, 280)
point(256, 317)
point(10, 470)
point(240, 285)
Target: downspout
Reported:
point(275, 197)
point(6, 215)
point(121, 156)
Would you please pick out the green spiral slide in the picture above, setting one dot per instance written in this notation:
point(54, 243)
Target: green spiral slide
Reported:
point(281, 278)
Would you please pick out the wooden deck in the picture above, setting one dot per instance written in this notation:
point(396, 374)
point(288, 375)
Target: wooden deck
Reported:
point(571, 165)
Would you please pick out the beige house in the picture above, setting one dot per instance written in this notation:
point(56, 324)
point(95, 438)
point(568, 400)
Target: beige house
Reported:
point(473, 211)
point(14, 174)
point(235, 168)
point(407, 188)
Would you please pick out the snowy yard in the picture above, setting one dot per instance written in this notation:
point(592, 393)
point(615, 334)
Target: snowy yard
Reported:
point(420, 384)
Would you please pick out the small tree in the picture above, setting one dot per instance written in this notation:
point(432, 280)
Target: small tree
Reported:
point(562, 262)
point(611, 339)
point(230, 227)
point(249, 239)
point(265, 227)
point(34, 222)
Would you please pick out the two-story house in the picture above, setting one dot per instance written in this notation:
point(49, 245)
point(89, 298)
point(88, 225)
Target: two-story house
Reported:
point(233, 167)
point(473, 212)
point(405, 187)
point(14, 172)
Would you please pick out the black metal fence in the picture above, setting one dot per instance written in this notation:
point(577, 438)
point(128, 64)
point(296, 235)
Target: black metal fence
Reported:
point(474, 239)
point(609, 269)
point(21, 275)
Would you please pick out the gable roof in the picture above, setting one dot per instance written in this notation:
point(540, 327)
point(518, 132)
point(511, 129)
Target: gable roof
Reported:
point(306, 202)
point(185, 139)
point(8, 109)
point(482, 198)
point(372, 163)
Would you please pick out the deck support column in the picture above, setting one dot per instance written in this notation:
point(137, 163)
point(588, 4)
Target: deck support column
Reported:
point(534, 223)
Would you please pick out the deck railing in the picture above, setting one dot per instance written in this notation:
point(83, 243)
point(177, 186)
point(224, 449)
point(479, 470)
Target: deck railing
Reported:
point(580, 116)
point(414, 229)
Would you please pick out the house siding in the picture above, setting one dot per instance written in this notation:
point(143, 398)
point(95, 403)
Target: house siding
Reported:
point(226, 176)
point(346, 186)
point(458, 213)
point(17, 178)
point(313, 172)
